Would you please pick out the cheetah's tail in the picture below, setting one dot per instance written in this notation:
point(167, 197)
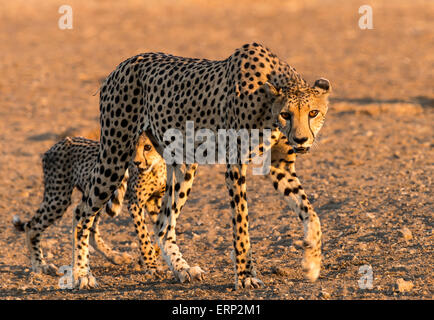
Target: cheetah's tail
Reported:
point(114, 205)
point(18, 224)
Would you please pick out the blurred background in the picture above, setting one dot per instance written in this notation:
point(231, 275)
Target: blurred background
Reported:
point(379, 130)
point(393, 61)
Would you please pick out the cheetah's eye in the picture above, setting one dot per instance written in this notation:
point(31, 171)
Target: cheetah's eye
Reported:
point(313, 113)
point(285, 115)
point(147, 147)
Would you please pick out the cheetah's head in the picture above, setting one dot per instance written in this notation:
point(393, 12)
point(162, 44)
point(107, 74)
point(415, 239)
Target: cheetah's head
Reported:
point(299, 112)
point(146, 156)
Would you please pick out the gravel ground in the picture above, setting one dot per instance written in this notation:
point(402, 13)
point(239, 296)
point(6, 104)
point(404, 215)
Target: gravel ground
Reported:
point(369, 177)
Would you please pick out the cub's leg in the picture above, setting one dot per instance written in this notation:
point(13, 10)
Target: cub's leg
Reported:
point(153, 208)
point(99, 245)
point(140, 193)
point(149, 255)
point(46, 215)
point(284, 178)
point(57, 198)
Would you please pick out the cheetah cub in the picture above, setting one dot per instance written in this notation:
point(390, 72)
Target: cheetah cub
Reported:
point(67, 165)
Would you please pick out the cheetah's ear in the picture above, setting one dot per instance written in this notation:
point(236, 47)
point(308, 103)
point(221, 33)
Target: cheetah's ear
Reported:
point(323, 86)
point(271, 90)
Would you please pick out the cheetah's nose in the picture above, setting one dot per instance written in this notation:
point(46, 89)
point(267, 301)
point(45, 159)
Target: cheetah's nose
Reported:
point(137, 163)
point(300, 140)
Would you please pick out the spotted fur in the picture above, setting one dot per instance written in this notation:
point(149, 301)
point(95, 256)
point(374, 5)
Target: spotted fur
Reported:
point(67, 165)
point(251, 89)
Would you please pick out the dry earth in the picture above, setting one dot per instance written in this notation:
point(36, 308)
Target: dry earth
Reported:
point(369, 178)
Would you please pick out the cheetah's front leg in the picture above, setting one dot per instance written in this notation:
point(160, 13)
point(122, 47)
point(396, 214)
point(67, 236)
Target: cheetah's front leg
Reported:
point(179, 183)
point(245, 275)
point(83, 222)
point(282, 173)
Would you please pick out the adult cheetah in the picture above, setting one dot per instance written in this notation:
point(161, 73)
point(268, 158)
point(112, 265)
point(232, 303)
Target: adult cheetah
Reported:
point(67, 165)
point(251, 89)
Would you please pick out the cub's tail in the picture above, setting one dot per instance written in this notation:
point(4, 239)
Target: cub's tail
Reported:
point(18, 224)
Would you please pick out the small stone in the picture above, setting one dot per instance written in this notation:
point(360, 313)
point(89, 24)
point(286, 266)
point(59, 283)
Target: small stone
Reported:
point(363, 246)
point(24, 194)
point(84, 77)
point(406, 233)
point(134, 245)
point(292, 249)
point(137, 267)
point(43, 102)
point(404, 286)
point(36, 276)
point(325, 295)
point(195, 236)
point(370, 215)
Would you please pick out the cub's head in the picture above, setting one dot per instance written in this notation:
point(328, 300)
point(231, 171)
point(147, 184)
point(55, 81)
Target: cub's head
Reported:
point(146, 156)
point(299, 112)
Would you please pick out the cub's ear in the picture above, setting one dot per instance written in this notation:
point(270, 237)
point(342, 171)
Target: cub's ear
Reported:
point(271, 90)
point(323, 86)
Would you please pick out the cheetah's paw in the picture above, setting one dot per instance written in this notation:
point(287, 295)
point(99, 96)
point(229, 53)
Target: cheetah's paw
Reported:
point(86, 282)
point(311, 267)
point(156, 273)
point(249, 283)
point(190, 274)
point(120, 258)
point(45, 268)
